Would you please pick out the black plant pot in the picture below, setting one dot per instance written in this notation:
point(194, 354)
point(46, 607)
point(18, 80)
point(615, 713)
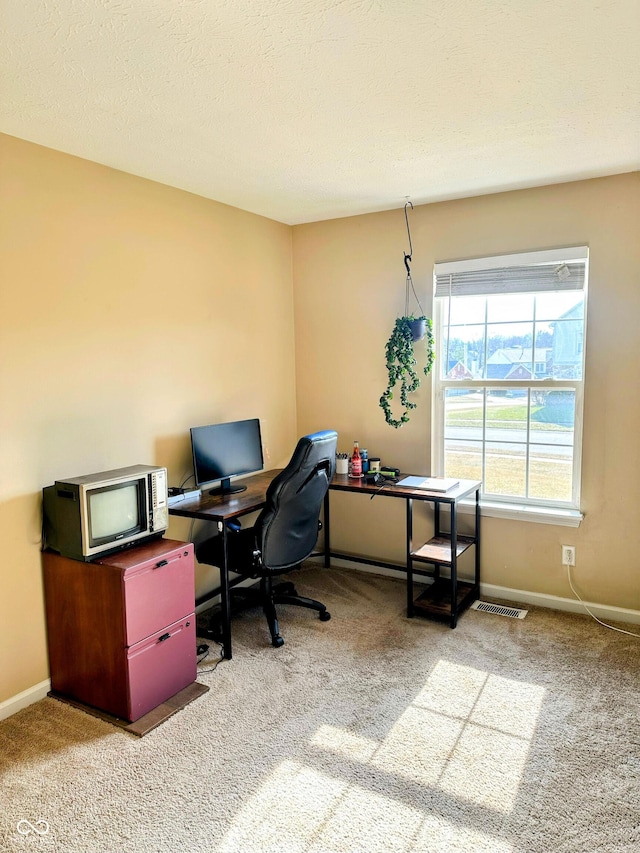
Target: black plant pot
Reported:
point(418, 329)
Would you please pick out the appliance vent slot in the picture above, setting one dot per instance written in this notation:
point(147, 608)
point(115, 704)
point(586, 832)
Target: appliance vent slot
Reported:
point(499, 610)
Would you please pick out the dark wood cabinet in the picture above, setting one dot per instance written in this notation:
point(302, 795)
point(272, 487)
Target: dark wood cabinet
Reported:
point(121, 629)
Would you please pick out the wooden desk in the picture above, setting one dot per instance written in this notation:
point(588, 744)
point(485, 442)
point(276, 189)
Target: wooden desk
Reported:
point(446, 597)
point(220, 509)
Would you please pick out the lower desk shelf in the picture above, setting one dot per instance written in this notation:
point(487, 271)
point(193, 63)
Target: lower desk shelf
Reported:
point(435, 600)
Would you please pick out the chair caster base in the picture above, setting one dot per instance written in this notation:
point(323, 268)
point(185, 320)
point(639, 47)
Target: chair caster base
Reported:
point(277, 641)
point(324, 616)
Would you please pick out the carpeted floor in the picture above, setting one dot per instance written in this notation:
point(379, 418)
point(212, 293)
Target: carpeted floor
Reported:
point(370, 732)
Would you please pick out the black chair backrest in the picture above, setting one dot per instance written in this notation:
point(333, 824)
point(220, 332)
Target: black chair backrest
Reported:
point(287, 528)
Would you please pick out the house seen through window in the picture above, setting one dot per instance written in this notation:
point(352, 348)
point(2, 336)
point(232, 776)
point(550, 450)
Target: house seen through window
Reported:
point(508, 385)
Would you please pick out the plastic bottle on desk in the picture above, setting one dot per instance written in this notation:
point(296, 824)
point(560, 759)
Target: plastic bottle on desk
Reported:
point(356, 461)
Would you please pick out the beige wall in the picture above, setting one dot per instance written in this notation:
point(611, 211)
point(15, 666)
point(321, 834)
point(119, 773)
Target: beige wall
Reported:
point(129, 312)
point(349, 288)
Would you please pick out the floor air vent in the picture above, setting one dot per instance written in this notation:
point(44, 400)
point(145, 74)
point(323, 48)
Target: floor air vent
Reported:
point(499, 610)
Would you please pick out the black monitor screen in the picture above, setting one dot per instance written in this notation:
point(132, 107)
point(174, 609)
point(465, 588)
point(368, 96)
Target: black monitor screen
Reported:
point(222, 451)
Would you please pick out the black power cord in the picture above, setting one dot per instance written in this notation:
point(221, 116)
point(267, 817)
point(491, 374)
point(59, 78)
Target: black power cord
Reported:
point(202, 651)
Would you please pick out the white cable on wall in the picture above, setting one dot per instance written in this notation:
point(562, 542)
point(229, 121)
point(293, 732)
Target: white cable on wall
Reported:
point(593, 616)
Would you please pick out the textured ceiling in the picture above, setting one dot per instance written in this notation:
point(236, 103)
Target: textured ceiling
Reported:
point(302, 110)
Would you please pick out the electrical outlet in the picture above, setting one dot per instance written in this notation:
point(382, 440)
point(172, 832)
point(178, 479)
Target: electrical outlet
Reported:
point(568, 555)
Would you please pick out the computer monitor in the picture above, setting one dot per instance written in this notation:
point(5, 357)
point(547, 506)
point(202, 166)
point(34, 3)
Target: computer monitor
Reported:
point(223, 451)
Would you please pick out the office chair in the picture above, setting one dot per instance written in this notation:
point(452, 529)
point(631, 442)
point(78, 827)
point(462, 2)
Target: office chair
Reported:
point(285, 532)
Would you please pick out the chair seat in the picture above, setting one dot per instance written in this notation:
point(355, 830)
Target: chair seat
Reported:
point(241, 545)
point(284, 533)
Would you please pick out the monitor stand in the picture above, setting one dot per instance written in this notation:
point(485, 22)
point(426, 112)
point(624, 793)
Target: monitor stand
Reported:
point(225, 488)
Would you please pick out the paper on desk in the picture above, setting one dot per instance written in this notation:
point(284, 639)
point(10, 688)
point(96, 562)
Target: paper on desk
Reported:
point(429, 484)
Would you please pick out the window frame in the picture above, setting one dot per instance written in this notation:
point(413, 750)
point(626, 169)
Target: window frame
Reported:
point(534, 509)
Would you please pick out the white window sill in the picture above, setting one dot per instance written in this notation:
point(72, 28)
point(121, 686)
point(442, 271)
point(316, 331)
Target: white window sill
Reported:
point(523, 512)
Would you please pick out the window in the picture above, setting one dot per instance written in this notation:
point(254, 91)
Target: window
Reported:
point(508, 383)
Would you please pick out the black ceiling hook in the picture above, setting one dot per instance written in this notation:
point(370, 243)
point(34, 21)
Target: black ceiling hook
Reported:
point(407, 257)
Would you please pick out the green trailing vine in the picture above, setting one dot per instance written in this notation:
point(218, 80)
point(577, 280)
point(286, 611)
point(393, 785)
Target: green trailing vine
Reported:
point(401, 366)
point(400, 352)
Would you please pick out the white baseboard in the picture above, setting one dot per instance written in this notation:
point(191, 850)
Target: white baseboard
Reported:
point(606, 612)
point(27, 697)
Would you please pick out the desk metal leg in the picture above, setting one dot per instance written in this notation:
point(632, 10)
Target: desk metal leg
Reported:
point(454, 567)
point(327, 532)
point(477, 548)
point(409, 545)
point(225, 598)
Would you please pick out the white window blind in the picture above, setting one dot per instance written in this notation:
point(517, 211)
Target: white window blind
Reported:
point(534, 272)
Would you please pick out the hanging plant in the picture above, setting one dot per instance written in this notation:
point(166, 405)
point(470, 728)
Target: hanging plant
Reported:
point(401, 366)
point(400, 353)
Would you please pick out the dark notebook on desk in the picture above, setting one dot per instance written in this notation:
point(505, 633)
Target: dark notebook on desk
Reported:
point(429, 484)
